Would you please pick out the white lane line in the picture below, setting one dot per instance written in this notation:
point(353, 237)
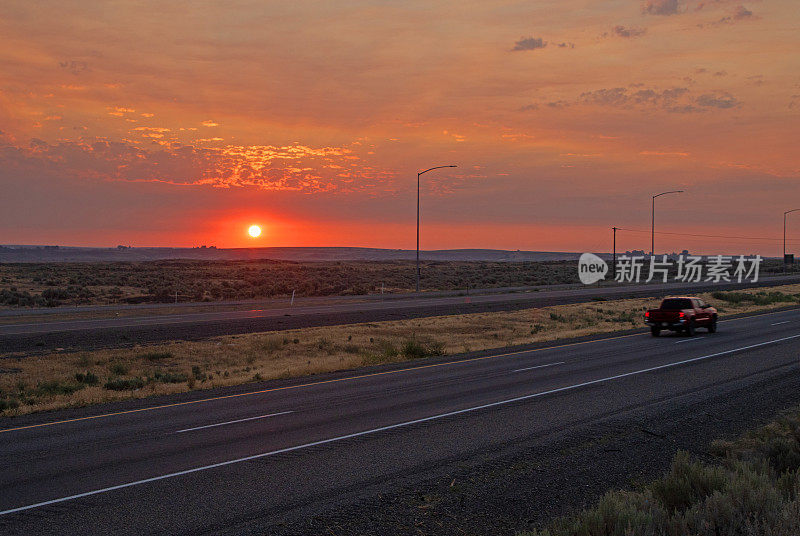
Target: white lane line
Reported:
point(539, 366)
point(690, 340)
point(232, 422)
point(385, 428)
point(779, 323)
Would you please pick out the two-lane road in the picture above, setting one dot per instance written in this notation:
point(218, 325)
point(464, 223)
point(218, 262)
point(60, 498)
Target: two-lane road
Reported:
point(248, 461)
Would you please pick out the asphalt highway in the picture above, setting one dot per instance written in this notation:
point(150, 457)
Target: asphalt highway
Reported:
point(124, 331)
point(251, 460)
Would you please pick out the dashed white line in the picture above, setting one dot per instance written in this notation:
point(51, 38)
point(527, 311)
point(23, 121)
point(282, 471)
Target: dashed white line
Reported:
point(232, 422)
point(779, 323)
point(540, 366)
point(386, 428)
point(690, 340)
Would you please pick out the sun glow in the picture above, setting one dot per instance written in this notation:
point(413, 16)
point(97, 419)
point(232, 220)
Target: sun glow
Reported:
point(254, 231)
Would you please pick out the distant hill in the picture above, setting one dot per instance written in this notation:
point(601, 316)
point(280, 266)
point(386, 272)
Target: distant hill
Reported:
point(24, 253)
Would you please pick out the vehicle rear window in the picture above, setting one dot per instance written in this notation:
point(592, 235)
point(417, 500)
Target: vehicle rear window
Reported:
point(676, 304)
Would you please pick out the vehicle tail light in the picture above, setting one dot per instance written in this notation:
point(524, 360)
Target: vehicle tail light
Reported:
point(681, 315)
point(647, 314)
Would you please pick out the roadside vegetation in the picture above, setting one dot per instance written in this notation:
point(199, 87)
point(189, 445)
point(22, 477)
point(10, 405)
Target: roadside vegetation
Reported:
point(56, 284)
point(104, 283)
point(63, 379)
point(751, 488)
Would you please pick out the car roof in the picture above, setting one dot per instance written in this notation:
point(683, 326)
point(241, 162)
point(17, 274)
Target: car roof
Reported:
point(681, 298)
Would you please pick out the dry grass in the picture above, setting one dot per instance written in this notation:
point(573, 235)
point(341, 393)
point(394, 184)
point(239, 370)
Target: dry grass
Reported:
point(60, 380)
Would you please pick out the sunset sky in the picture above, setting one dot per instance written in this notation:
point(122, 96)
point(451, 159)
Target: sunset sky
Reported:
point(182, 123)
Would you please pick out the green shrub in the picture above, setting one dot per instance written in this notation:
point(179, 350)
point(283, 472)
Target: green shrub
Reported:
point(198, 374)
point(687, 483)
point(124, 384)
point(416, 349)
point(8, 403)
point(55, 387)
point(118, 369)
point(88, 378)
point(169, 377)
point(388, 349)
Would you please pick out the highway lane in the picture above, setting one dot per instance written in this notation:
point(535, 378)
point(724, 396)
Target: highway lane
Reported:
point(258, 458)
point(121, 331)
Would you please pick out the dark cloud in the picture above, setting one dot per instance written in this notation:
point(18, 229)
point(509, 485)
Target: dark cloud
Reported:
point(661, 7)
point(620, 96)
point(674, 93)
point(683, 109)
point(617, 96)
point(741, 13)
point(719, 99)
point(622, 31)
point(672, 100)
point(529, 43)
point(73, 66)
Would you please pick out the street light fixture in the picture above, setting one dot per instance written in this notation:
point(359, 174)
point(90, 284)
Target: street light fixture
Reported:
point(784, 231)
point(418, 176)
point(653, 220)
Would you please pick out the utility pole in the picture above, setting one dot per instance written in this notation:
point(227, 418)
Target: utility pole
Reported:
point(614, 255)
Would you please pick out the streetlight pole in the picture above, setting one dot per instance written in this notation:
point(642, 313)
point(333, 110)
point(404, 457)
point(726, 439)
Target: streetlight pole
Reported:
point(784, 233)
point(653, 220)
point(418, 176)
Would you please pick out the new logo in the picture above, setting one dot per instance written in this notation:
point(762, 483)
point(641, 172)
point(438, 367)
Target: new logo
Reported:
point(591, 268)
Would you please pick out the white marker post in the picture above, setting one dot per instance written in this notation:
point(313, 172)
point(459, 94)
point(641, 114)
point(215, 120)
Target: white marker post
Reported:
point(292, 303)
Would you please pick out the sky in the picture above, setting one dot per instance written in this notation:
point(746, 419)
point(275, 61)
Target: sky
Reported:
point(182, 123)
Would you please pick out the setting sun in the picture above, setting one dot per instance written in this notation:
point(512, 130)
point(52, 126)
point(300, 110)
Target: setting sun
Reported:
point(254, 231)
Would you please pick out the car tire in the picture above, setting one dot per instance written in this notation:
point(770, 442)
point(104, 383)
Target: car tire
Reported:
point(689, 329)
point(655, 332)
point(712, 327)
